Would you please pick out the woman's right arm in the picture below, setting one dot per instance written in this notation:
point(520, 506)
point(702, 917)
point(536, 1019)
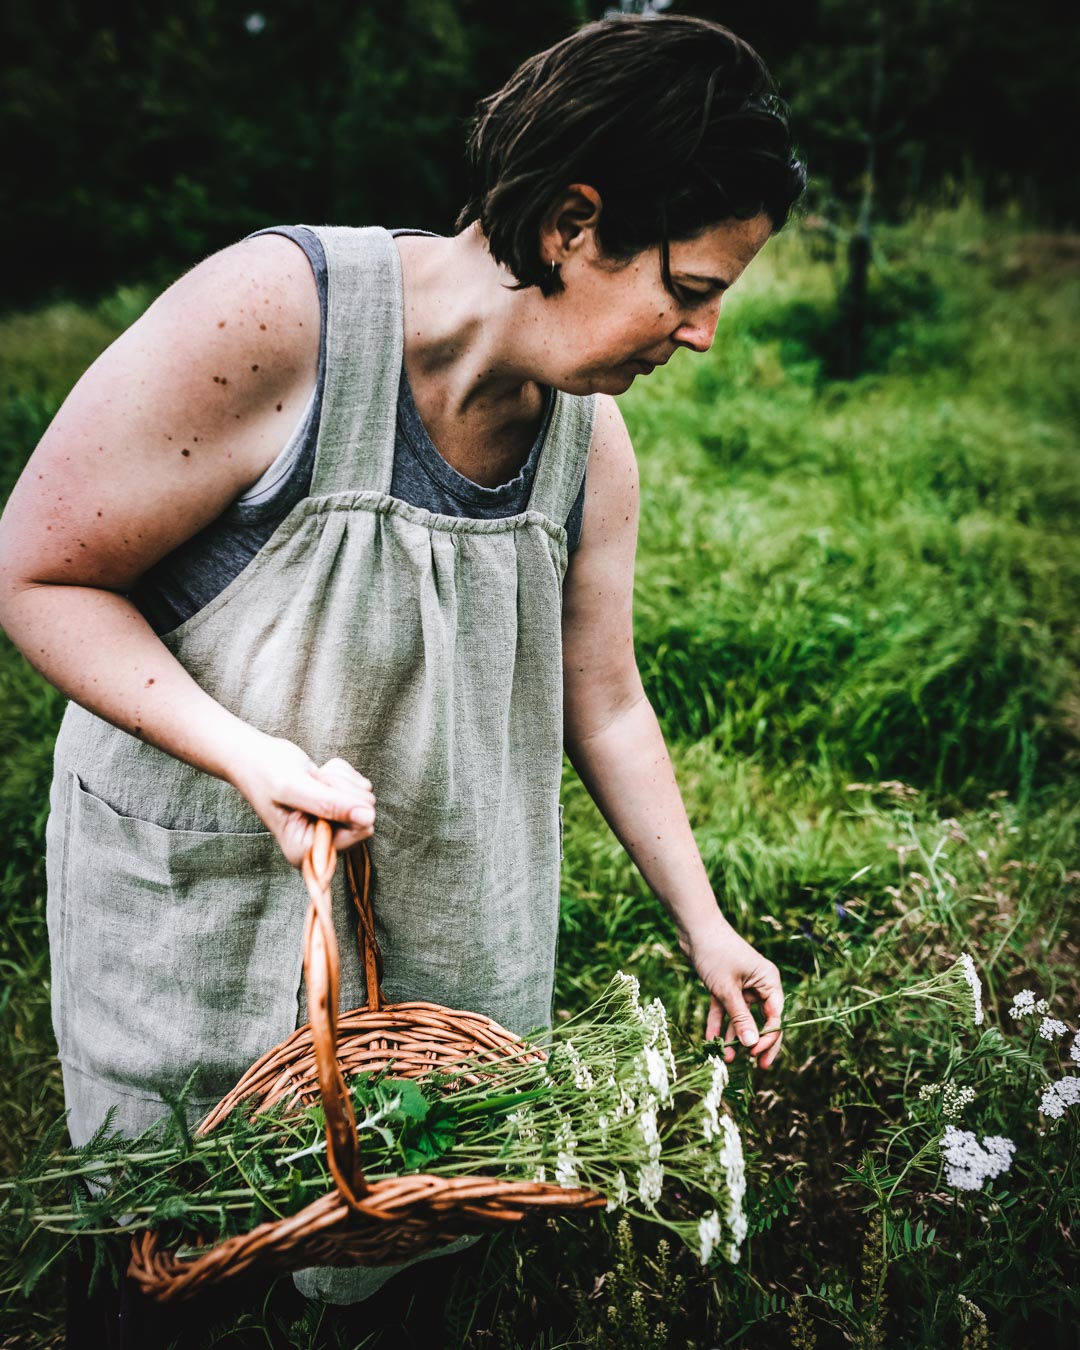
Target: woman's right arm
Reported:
point(176, 419)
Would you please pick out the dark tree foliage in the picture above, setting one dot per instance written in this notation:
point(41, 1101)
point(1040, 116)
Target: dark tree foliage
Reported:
point(139, 138)
point(981, 90)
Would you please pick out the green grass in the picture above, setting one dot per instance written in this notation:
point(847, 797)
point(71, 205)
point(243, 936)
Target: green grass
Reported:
point(856, 617)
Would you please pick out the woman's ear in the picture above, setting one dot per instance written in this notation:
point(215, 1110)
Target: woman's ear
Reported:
point(570, 222)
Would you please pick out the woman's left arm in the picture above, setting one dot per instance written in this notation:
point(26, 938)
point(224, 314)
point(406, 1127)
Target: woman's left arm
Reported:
point(615, 743)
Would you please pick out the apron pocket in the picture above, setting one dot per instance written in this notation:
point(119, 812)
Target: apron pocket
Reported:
point(180, 950)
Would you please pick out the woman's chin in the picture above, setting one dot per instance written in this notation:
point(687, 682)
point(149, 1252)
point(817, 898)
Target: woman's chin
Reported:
point(609, 382)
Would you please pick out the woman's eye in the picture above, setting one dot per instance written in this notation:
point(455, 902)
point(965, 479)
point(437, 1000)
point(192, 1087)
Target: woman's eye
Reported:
point(688, 297)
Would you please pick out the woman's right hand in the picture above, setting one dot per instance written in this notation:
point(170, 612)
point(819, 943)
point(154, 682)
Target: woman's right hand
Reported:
point(289, 792)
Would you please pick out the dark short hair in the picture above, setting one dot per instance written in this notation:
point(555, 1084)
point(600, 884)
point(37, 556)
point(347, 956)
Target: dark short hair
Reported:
point(673, 120)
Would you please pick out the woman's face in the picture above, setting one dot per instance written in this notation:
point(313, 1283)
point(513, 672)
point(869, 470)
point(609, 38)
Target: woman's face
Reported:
point(614, 322)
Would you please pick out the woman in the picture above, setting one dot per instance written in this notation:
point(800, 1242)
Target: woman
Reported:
point(419, 596)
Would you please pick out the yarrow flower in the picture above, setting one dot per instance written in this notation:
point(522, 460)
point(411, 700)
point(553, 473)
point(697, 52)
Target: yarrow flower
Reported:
point(650, 1132)
point(1050, 1027)
point(656, 1071)
point(968, 1163)
point(583, 1078)
point(1058, 1096)
point(731, 1160)
point(953, 1098)
point(650, 1184)
point(627, 1105)
point(1074, 1049)
point(1026, 1005)
point(566, 1145)
point(525, 1125)
point(566, 1170)
point(708, 1235)
point(659, 1036)
point(629, 986)
point(972, 976)
point(620, 1193)
point(711, 1101)
point(973, 1308)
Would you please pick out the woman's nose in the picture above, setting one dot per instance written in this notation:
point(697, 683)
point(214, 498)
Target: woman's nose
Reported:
point(699, 334)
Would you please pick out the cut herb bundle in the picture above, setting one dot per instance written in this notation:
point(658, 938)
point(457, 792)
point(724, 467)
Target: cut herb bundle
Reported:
point(611, 1107)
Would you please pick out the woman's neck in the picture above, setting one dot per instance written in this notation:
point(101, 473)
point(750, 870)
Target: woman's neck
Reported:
point(463, 329)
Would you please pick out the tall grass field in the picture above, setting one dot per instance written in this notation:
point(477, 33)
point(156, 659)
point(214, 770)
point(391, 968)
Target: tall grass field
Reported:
point(857, 618)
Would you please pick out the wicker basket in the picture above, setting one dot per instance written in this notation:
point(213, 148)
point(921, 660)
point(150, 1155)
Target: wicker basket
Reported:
point(359, 1222)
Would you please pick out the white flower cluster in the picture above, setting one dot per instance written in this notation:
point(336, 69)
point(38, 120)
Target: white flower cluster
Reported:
point(583, 1079)
point(630, 987)
point(731, 1160)
point(654, 1068)
point(968, 1163)
point(605, 1117)
point(1074, 1049)
point(627, 1106)
point(656, 1072)
point(973, 1309)
point(972, 977)
point(712, 1099)
point(651, 1175)
point(1050, 1028)
point(1026, 1005)
point(620, 1194)
point(524, 1123)
point(566, 1173)
point(650, 1183)
point(1059, 1096)
point(658, 1059)
point(953, 1098)
point(650, 1130)
point(708, 1235)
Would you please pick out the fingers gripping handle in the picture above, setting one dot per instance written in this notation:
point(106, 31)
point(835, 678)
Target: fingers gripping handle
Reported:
point(322, 973)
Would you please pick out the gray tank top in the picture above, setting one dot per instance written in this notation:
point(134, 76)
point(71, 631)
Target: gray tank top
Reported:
point(189, 577)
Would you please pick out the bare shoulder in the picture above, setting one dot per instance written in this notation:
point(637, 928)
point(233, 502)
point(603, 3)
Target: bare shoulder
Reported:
point(610, 438)
point(598, 636)
point(249, 314)
point(611, 499)
point(173, 421)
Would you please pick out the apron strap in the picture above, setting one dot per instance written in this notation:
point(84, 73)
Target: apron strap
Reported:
point(564, 456)
point(364, 340)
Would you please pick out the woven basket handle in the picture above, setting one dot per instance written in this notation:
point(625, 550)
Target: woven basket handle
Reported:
point(322, 972)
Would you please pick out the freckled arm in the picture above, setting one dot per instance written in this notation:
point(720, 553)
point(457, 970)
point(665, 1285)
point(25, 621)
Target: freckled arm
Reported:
point(611, 733)
point(616, 745)
point(164, 430)
point(181, 414)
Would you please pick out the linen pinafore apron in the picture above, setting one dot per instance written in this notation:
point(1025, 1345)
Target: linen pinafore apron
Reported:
point(423, 649)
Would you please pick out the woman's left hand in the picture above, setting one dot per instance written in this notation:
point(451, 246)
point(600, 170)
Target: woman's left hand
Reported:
point(738, 977)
